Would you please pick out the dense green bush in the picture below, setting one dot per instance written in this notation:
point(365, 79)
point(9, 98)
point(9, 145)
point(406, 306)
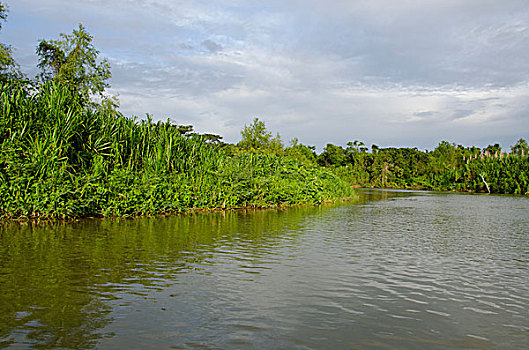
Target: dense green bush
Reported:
point(447, 168)
point(60, 158)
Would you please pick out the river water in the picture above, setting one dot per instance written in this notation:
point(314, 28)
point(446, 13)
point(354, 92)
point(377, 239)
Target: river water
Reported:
point(396, 269)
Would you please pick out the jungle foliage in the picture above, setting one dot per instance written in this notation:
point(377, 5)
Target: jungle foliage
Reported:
point(67, 152)
point(449, 167)
point(60, 159)
point(8, 67)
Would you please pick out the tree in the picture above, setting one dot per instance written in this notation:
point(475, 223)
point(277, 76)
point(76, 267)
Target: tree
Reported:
point(355, 150)
point(184, 129)
point(212, 138)
point(492, 150)
point(8, 66)
point(332, 155)
point(3, 13)
point(446, 155)
point(256, 136)
point(301, 152)
point(356, 146)
point(520, 148)
point(72, 60)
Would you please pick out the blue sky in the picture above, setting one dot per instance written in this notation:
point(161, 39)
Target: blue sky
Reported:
point(392, 73)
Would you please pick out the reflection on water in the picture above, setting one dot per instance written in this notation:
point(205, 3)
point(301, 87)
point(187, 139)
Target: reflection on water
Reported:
point(398, 269)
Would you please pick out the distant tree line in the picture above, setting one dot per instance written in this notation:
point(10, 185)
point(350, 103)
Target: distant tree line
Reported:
point(449, 167)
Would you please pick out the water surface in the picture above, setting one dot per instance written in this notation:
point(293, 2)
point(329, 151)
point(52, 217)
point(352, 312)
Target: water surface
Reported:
point(398, 269)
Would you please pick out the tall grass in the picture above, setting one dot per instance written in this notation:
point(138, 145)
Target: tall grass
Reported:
point(62, 159)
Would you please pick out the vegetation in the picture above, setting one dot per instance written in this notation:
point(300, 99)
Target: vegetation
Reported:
point(8, 66)
point(67, 152)
point(448, 167)
point(72, 61)
point(62, 159)
point(255, 136)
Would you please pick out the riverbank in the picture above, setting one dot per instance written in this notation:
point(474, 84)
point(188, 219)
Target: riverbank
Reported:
point(61, 159)
point(248, 180)
point(125, 196)
point(447, 168)
point(421, 188)
point(158, 196)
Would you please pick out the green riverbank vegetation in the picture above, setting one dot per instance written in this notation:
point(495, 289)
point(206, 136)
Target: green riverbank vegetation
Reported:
point(60, 159)
point(449, 167)
point(67, 152)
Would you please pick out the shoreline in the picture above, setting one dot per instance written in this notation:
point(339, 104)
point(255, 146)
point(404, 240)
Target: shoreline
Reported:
point(188, 211)
point(191, 211)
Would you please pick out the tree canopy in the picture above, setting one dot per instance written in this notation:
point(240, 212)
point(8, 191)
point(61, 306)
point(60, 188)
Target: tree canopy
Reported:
point(257, 136)
point(8, 65)
point(520, 148)
point(73, 60)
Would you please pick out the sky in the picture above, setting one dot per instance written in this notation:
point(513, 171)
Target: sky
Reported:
point(406, 73)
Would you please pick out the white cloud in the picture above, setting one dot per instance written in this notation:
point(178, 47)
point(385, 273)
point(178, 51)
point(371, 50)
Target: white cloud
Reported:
point(404, 73)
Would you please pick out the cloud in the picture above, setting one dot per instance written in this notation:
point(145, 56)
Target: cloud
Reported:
point(393, 73)
point(212, 46)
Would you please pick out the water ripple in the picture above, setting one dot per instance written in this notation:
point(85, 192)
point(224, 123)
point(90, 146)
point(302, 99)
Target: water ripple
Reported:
point(402, 270)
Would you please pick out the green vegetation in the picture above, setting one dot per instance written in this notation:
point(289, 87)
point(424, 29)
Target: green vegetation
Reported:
point(8, 66)
point(255, 136)
point(447, 168)
point(72, 61)
point(62, 159)
point(67, 152)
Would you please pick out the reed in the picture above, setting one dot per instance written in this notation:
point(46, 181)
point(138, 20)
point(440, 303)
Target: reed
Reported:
point(61, 159)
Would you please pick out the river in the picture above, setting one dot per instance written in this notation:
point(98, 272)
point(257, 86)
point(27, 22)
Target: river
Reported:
point(396, 269)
